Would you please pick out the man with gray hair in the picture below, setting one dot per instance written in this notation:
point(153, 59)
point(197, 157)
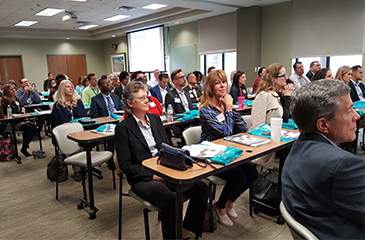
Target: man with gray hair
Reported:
point(323, 186)
point(315, 66)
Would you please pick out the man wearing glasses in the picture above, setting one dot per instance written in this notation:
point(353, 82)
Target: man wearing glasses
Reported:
point(27, 94)
point(178, 98)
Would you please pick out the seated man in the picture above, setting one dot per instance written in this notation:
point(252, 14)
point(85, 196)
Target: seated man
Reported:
point(162, 88)
point(27, 94)
point(357, 88)
point(178, 98)
point(102, 105)
point(323, 186)
point(194, 92)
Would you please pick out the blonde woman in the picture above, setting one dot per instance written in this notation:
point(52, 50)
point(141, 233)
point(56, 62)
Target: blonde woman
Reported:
point(344, 73)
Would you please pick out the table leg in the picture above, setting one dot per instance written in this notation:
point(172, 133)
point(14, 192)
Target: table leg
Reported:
point(40, 139)
point(179, 209)
point(15, 145)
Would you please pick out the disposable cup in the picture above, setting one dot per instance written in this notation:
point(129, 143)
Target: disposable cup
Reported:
point(241, 102)
point(276, 129)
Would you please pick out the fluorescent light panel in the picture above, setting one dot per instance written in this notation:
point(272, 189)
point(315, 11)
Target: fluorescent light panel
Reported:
point(116, 18)
point(66, 17)
point(86, 26)
point(154, 6)
point(77, 0)
point(25, 23)
point(48, 12)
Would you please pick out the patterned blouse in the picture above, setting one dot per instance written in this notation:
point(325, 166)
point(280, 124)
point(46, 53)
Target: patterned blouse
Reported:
point(215, 125)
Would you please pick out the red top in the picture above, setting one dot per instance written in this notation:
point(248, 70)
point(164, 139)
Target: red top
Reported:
point(256, 84)
point(155, 107)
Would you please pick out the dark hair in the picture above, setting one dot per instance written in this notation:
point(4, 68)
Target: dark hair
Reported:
point(236, 78)
point(260, 70)
point(123, 75)
point(320, 74)
point(90, 75)
point(173, 74)
point(49, 74)
point(60, 77)
point(100, 81)
point(49, 85)
point(163, 75)
point(210, 69)
point(295, 65)
point(312, 63)
point(134, 75)
point(104, 76)
point(288, 81)
point(355, 68)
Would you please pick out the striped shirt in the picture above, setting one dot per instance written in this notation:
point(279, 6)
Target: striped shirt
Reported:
point(215, 125)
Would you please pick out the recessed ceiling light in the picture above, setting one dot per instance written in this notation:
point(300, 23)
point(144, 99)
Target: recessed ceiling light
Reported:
point(87, 26)
point(116, 18)
point(67, 38)
point(113, 35)
point(77, 0)
point(176, 22)
point(66, 17)
point(25, 23)
point(49, 12)
point(154, 6)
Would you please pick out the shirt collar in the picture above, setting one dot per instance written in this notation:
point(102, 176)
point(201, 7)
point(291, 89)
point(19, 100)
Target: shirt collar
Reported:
point(327, 139)
point(139, 122)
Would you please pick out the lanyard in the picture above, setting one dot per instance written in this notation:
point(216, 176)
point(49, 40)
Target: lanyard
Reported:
point(97, 91)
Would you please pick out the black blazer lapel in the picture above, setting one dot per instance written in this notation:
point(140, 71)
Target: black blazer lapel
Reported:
point(136, 131)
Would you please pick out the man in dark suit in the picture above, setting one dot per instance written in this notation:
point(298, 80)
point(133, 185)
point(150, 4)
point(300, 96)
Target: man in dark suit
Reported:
point(102, 105)
point(315, 66)
point(46, 82)
point(357, 88)
point(323, 186)
point(162, 88)
point(178, 98)
point(194, 92)
point(124, 79)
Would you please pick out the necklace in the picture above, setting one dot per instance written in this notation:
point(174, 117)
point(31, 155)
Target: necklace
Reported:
point(70, 110)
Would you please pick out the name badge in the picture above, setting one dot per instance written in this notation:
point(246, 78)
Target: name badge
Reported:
point(220, 117)
point(17, 103)
point(177, 100)
point(152, 104)
point(192, 95)
point(190, 91)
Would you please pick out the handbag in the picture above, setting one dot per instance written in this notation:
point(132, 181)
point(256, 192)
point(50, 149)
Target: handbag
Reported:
point(207, 218)
point(173, 157)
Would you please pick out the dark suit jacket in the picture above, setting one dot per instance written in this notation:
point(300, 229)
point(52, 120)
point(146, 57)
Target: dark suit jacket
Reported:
point(309, 75)
point(118, 90)
point(61, 115)
point(155, 92)
point(323, 187)
point(178, 107)
point(353, 92)
point(194, 99)
point(132, 147)
point(98, 107)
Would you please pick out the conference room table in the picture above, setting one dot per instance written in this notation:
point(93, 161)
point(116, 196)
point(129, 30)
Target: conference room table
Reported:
point(183, 180)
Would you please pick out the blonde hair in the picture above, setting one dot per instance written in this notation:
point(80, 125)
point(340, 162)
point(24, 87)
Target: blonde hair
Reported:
point(113, 76)
point(61, 98)
point(267, 80)
point(341, 72)
point(207, 96)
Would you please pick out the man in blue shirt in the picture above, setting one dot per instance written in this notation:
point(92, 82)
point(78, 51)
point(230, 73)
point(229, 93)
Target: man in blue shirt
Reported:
point(27, 94)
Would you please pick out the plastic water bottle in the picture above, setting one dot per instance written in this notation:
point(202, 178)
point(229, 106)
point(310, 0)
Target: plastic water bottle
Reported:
point(9, 111)
point(170, 114)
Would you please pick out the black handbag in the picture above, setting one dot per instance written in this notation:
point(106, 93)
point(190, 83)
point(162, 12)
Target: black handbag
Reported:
point(173, 157)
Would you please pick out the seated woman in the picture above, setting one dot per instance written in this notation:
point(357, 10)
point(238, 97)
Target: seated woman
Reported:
point(28, 127)
point(238, 88)
point(66, 108)
point(272, 101)
point(344, 73)
point(324, 73)
point(83, 83)
point(219, 119)
point(139, 137)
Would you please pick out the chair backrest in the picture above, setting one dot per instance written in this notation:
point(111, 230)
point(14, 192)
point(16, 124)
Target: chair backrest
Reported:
point(297, 230)
point(60, 133)
point(192, 135)
point(51, 105)
point(249, 89)
point(247, 119)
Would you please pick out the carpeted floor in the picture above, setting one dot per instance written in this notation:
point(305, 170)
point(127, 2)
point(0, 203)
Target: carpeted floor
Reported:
point(28, 209)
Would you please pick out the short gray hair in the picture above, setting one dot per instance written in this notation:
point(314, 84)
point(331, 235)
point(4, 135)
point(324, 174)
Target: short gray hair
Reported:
point(129, 93)
point(319, 99)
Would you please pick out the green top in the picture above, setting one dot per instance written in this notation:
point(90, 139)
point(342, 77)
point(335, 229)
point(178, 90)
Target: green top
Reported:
point(88, 93)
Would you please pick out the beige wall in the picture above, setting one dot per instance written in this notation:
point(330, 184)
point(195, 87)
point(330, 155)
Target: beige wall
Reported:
point(276, 35)
point(108, 50)
point(34, 51)
point(184, 34)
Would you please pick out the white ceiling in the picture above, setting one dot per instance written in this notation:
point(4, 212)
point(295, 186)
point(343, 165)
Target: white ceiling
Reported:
point(94, 11)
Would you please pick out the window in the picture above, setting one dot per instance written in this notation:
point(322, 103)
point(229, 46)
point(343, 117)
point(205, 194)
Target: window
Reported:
point(225, 61)
point(349, 60)
point(307, 61)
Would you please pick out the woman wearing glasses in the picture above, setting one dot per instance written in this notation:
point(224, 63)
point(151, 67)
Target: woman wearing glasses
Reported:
point(272, 101)
point(139, 136)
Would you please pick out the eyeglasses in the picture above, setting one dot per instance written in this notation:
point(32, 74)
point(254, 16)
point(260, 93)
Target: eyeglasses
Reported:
point(283, 76)
point(182, 77)
point(143, 98)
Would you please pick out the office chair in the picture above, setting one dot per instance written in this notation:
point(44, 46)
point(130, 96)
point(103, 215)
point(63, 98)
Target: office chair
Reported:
point(297, 230)
point(247, 119)
point(69, 147)
point(192, 136)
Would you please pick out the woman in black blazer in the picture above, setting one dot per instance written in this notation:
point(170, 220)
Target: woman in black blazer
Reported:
point(139, 137)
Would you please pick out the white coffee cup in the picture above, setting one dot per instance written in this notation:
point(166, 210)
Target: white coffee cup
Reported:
point(276, 129)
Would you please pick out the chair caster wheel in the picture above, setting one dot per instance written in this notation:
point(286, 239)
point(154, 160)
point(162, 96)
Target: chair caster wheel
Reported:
point(280, 220)
point(92, 215)
point(100, 176)
point(80, 206)
point(256, 209)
